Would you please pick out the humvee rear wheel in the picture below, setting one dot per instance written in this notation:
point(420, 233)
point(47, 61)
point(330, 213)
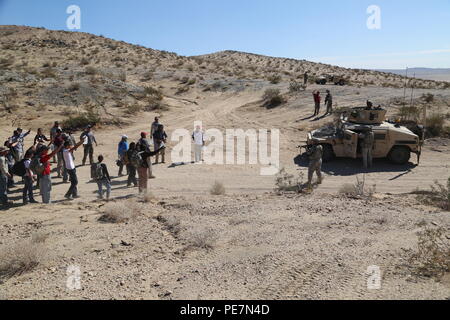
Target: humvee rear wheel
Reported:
point(400, 155)
point(328, 153)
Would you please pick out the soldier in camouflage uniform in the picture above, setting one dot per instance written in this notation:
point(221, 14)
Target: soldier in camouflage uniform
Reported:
point(367, 144)
point(315, 154)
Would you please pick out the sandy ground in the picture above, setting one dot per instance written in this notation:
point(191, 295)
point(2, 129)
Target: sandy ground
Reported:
point(185, 243)
point(263, 246)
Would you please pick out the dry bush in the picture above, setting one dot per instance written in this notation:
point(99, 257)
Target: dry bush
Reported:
point(435, 126)
point(119, 212)
point(172, 223)
point(427, 97)
point(274, 79)
point(48, 72)
point(133, 109)
point(432, 258)
point(217, 189)
point(409, 112)
point(438, 196)
point(358, 189)
point(90, 70)
point(80, 120)
point(21, 257)
point(200, 239)
point(286, 182)
point(295, 86)
point(272, 98)
point(74, 87)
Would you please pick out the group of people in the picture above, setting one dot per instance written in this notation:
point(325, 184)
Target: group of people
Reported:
point(33, 165)
point(328, 102)
point(136, 156)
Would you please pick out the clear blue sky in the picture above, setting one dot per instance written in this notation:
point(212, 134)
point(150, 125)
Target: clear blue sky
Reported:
point(414, 33)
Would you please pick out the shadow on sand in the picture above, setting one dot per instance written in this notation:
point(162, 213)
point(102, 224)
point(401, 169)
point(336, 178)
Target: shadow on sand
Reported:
point(349, 167)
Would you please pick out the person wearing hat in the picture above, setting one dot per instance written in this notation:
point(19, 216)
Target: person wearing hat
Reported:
point(4, 175)
point(89, 138)
point(121, 151)
point(17, 143)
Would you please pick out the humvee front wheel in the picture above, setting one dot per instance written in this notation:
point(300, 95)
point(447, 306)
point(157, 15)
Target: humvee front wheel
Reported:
point(328, 153)
point(400, 155)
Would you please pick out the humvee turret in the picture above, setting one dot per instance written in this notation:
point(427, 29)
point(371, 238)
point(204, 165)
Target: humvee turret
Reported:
point(392, 140)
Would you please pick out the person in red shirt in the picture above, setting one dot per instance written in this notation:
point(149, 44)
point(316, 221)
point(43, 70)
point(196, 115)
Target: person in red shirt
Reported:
point(316, 95)
point(45, 180)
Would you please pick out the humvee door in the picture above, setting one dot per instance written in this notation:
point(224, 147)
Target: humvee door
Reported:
point(350, 143)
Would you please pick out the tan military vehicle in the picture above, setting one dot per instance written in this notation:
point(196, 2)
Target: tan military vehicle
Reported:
point(326, 78)
point(392, 140)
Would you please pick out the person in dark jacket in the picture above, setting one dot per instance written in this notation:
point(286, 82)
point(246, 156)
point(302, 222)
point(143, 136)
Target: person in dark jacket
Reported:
point(130, 167)
point(104, 180)
point(159, 139)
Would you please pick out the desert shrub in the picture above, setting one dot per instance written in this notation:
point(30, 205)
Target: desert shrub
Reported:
point(74, 87)
point(200, 239)
point(217, 189)
point(133, 109)
point(120, 212)
point(409, 112)
point(435, 125)
point(6, 62)
point(286, 182)
point(90, 70)
point(48, 72)
point(154, 93)
point(427, 97)
point(274, 79)
point(22, 257)
point(272, 98)
point(172, 223)
point(80, 120)
point(438, 196)
point(432, 258)
point(295, 86)
point(358, 189)
point(84, 61)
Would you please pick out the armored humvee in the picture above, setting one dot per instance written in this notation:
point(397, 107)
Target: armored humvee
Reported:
point(337, 80)
point(392, 140)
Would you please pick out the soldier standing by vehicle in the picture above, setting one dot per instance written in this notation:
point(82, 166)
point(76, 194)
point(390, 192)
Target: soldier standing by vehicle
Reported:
point(329, 102)
point(315, 153)
point(367, 144)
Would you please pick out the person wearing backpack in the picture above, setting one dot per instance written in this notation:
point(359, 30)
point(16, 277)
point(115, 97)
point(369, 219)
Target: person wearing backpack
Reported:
point(121, 151)
point(144, 146)
point(159, 139)
point(45, 177)
point(129, 155)
point(29, 178)
point(142, 167)
point(102, 178)
point(4, 175)
point(72, 193)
